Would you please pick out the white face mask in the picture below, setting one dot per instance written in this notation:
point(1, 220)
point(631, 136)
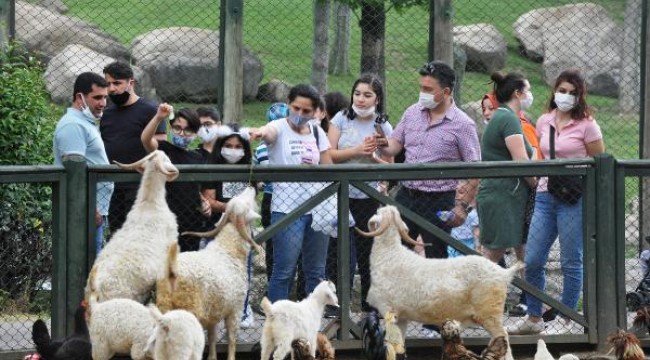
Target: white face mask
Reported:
point(363, 112)
point(207, 135)
point(232, 155)
point(564, 102)
point(527, 102)
point(86, 110)
point(427, 101)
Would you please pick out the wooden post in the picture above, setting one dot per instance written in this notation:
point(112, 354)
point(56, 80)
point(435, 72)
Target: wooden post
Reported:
point(440, 31)
point(76, 242)
point(231, 68)
point(644, 123)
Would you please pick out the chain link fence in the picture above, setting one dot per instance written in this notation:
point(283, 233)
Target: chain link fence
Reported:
point(174, 49)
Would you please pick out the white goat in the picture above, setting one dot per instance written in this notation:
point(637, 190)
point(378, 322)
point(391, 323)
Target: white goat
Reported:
point(287, 320)
point(134, 259)
point(178, 336)
point(212, 283)
point(119, 327)
point(470, 289)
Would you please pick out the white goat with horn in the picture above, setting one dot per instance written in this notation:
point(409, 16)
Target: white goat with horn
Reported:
point(470, 289)
point(134, 258)
point(212, 283)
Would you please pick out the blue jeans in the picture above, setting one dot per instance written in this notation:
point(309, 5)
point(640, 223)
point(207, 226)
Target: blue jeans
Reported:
point(99, 236)
point(550, 219)
point(288, 244)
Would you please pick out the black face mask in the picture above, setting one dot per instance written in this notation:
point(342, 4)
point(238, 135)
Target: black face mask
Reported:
point(120, 99)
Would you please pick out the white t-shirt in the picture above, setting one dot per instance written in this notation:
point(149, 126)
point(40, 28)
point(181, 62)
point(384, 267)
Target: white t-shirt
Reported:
point(352, 134)
point(291, 148)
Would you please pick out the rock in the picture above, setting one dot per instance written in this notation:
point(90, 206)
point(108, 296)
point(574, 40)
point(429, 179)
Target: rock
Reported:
point(484, 45)
point(54, 5)
point(460, 64)
point(581, 36)
point(46, 33)
point(183, 61)
point(274, 91)
point(475, 112)
point(75, 59)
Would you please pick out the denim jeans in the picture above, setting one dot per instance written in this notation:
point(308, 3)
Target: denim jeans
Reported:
point(99, 236)
point(553, 218)
point(288, 244)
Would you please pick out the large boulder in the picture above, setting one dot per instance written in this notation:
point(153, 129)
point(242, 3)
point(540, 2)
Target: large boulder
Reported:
point(183, 61)
point(485, 46)
point(274, 91)
point(474, 110)
point(581, 36)
point(75, 59)
point(46, 33)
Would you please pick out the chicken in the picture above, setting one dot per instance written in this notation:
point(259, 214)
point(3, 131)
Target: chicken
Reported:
point(75, 347)
point(453, 348)
point(394, 343)
point(452, 343)
point(324, 349)
point(641, 323)
point(626, 345)
point(301, 349)
point(543, 353)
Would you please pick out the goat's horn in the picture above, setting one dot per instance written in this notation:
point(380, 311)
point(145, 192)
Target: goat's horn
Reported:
point(241, 228)
point(407, 239)
point(134, 165)
point(206, 234)
point(372, 234)
point(161, 167)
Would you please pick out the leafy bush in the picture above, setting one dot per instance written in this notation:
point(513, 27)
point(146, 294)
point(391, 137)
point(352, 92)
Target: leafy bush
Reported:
point(26, 130)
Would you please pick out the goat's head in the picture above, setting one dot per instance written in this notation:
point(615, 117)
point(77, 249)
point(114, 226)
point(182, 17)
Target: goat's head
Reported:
point(156, 160)
point(241, 210)
point(387, 216)
point(326, 290)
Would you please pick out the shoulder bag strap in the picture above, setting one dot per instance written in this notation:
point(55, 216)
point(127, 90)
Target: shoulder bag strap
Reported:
point(551, 141)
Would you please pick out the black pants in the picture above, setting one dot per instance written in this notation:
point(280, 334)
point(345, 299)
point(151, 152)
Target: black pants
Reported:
point(121, 203)
point(362, 210)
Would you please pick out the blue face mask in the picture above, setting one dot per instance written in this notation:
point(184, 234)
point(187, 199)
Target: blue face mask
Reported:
point(181, 141)
point(298, 120)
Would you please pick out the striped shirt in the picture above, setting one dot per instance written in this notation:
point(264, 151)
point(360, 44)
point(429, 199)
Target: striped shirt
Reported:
point(453, 138)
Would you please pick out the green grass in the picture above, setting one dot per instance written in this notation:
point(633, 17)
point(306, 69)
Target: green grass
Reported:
point(279, 32)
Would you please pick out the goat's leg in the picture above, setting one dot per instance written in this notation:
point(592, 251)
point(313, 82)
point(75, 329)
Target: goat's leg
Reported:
point(494, 326)
point(232, 324)
point(402, 324)
point(267, 342)
point(212, 342)
point(283, 349)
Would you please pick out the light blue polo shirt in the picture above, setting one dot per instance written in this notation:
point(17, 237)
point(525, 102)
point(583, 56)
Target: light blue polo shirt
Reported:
point(75, 134)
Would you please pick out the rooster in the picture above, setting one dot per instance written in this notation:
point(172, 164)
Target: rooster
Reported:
point(641, 323)
point(74, 347)
point(625, 345)
point(453, 348)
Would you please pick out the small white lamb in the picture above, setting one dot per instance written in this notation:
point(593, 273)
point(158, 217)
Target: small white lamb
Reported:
point(119, 327)
point(470, 289)
point(134, 259)
point(287, 320)
point(178, 336)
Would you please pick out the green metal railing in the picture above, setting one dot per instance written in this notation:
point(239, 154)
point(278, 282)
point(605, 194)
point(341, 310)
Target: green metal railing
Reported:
point(73, 189)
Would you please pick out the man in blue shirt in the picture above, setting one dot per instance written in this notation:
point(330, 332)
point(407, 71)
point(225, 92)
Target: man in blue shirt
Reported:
point(77, 135)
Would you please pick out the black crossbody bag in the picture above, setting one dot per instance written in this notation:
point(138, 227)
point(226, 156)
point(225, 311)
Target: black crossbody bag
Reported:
point(567, 189)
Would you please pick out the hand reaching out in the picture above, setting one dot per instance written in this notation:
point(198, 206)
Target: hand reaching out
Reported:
point(164, 110)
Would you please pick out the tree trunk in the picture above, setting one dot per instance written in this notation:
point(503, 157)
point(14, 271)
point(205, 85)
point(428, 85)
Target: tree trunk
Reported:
point(320, 56)
point(340, 52)
point(373, 29)
point(441, 31)
point(631, 59)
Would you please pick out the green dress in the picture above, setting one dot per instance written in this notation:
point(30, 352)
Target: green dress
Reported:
point(502, 201)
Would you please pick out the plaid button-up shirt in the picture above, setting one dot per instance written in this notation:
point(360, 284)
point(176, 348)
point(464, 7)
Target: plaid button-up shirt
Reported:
point(453, 138)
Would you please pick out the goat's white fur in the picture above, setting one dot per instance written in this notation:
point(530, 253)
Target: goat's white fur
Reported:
point(178, 335)
point(119, 326)
point(470, 289)
point(211, 283)
point(287, 320)
point(150, 228)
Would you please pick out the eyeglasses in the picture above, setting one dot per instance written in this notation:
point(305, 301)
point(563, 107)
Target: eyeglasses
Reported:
point(179, 130)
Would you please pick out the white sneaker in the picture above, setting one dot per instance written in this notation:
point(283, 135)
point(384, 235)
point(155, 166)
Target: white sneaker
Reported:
point(429, 334)
point(525, 326)
point(248, 319)
point(562, 326)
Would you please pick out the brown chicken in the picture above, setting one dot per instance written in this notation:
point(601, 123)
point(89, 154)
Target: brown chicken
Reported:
point(453, 348)
point(625, 345)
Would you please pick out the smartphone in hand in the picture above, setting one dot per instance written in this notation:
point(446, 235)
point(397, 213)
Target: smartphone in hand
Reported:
point(384, 141)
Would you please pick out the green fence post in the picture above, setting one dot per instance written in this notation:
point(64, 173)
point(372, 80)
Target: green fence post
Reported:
point(59, 248)
point(610, 293)
point(77, 245)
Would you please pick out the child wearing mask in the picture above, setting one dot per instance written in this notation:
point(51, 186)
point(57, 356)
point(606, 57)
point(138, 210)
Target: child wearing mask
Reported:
point(184, 199)
point(231, 148)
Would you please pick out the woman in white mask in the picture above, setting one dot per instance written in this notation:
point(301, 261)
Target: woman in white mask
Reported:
point(575, 133)
point(355, 133)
